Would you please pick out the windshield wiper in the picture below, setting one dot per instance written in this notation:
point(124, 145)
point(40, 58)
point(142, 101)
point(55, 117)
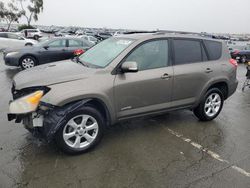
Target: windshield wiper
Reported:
point(81, 62)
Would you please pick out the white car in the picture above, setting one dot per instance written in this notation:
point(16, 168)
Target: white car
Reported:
point(91, 39)
point(32, 33)
point(12, 40)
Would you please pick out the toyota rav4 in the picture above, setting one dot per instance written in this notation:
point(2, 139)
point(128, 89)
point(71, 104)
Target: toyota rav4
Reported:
point(123, 77)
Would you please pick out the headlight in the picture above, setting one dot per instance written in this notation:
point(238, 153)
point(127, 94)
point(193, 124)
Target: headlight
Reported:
point(26, 104)
point(12, 53)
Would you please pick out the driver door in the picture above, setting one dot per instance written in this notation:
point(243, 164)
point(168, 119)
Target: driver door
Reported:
point(54, 51)
point(149, 89)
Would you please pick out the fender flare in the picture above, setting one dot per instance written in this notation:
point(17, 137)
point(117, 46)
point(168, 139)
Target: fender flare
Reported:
point(55, 118)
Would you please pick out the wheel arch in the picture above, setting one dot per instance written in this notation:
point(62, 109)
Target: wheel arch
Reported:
point(97, 103)
point(28, 55)
point(28, 44)
point(221, 84)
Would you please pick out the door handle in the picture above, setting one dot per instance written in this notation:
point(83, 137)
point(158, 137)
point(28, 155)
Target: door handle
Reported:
point(208, 70)
point(165, 76)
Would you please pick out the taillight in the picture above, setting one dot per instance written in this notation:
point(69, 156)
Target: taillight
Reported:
point(233, 62)
point(78, 52)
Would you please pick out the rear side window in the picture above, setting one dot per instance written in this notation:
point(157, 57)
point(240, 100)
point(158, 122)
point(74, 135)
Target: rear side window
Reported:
point(187, 51)
point(75, 43)
point(3, 35)
point(214, 49)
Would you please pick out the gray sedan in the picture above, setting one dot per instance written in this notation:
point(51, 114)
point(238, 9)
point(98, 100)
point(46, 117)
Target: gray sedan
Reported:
point(50, 50)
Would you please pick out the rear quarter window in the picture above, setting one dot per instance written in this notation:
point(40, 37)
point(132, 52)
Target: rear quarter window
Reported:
point(214, 49)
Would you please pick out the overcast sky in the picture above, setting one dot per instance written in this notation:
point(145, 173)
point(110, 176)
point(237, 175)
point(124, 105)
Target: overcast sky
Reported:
point(228, 16)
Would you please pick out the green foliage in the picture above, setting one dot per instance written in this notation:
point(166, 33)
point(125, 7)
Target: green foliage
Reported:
point(33, 9)
point(9, 12)
point(21, 27)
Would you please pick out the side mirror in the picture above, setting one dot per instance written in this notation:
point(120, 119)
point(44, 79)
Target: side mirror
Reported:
point(129, 66)
point(46, 47)
point(20, 38)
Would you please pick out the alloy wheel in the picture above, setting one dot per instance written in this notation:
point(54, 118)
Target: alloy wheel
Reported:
point(213, 104)
point(80, 131)
point(28, 63)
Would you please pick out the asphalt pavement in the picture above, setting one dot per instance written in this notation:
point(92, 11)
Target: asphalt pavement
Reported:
point(171, 150)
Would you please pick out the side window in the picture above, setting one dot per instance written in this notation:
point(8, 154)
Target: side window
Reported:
point(12, 36)
point(3, 35)
point(151, 55)
point(214, 49)
point(187, 51)
point(75, 43)
point(57, 44)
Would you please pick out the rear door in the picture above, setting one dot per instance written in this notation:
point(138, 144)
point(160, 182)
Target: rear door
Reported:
point(192, 70)
point(149, 89)
point(73, 44)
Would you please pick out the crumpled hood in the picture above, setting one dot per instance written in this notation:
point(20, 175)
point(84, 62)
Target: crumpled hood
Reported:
point(52, 73)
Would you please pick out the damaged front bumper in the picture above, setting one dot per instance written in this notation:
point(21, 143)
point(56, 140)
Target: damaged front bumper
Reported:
point(47, 120)
point(34, 122)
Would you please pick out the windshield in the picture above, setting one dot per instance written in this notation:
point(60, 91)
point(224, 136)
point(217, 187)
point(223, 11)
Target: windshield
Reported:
point(105, 52)
point(42, 43)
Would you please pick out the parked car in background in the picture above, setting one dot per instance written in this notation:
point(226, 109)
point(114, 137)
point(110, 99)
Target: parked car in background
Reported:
point(91, 39)
point(119, 79)
point(65, 32)
point(241, 55)
point(90, 33)
point(50, 50)
point(12, 40)
point(31, 33)
point(103, 36)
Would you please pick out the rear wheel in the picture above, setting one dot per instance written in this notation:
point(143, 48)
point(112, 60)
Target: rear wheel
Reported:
point(210, 106)
point(28, 62)
point(243, 59)
point(82, 130)
point(36, 37)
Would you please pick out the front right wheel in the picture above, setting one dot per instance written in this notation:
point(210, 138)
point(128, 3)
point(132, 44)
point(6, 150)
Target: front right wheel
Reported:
point(82, 130)
point(210, 106)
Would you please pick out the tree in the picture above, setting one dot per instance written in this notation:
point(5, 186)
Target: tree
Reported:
point(9, 13)
point(32, 10)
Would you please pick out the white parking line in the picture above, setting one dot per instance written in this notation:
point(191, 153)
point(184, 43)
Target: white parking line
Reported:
point(209, 152)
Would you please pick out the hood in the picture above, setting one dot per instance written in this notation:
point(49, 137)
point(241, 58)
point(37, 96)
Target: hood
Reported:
point(51, 74)
point(22, 49)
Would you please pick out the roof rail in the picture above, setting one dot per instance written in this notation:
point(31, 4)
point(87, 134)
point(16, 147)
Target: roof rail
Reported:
point(161, 32)
point(138, 32)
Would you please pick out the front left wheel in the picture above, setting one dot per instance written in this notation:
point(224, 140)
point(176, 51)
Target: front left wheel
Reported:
point(82, 130)
point(28, 62)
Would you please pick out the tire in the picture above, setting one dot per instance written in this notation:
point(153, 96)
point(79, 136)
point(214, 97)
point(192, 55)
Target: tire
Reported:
point(36, 37)
point(207, 110)
point(82, 130)
point(28, 62)
point(243, 59)
point(28, 44)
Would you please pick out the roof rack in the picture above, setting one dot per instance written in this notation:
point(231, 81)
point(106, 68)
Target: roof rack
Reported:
point(161, 32)
point(138, 32)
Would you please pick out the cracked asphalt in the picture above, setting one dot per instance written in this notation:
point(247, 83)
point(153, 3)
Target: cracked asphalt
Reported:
point(138, 153)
